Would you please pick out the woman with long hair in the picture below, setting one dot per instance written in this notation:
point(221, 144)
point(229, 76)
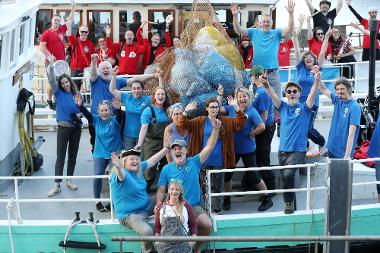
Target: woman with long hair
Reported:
point(174, 130)
point(69, 127)
point(223, 154)
point(153, 123)
point(175, 217)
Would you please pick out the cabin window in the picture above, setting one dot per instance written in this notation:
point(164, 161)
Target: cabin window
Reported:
point(43, 22)
point(97, 21)
point(253, 17)
point(32, 23)
point(77, 19)
point(158, 17)
point(22, 38)
point(123, 23)
point(225, 17)
point(12, 48)
point(1, 50)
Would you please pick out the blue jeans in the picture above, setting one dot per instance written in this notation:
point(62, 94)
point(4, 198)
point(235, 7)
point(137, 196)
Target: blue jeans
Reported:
point(313, 134)
point(290, 158)
point(129, 142)
point(100, 165)
point(274, 81)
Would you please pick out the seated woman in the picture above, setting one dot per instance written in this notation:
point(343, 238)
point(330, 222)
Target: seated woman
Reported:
point(153, 123)
point(69, 127)
point(129, 195)
point(175, 217)
point(175, 131)
point(107, 140)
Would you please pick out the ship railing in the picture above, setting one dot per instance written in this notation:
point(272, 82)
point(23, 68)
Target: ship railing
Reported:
point(308, 189)
point(17, 200)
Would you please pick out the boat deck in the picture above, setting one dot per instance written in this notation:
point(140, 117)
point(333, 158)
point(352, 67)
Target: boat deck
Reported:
point(35, 189)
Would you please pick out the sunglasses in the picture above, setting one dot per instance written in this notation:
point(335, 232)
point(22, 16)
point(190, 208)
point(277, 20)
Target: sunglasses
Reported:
point(319, 34)
point(83, 31)
point(291, 91)
point(214, 107)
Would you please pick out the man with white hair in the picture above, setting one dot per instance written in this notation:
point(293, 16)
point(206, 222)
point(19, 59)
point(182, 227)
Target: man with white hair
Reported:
point(324, 18)
point(100, 86)
point(266, 42)
point(364, 22)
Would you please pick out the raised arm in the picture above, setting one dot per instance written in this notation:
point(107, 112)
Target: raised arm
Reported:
point(93, 67)
point(157, 157)
point(52, 78)
point(83, 109)
point(235, 9)
point(322, 53)
point(296, 43)
point(290, 9)
point(271, 92)
point(301, 20)
point(310, 5)
point(360, 28)
point(112, 88)
point(309, 29)
point(70, 18)
point(339, 5)
point(219, 98)
point(118, 167)
point(324, 90)
point(313, 91)
point(357, 15)
point(206, 151)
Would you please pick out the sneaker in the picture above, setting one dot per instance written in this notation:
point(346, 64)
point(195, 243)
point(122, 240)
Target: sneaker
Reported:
point(216, 211)
point(101, 208)
point(51, 105)
point(289, 208)
point(265, 204)
point(71, 185)
point(322, 151)
point(271, 195)
point(226, 203)
point(56, 189)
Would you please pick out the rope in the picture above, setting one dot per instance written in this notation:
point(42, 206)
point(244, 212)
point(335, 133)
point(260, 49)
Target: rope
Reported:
point(12, 209)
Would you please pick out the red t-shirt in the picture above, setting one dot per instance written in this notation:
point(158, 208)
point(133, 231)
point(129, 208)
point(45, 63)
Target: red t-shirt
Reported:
point(284, 53)
point(366, 40)
point(81, 54)
point(54, 42)
point(315, 46)
point(128, 56)
point(104, 56)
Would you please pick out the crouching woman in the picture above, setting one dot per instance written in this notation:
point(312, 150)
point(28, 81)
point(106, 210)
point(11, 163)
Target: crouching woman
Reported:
point(129, 195)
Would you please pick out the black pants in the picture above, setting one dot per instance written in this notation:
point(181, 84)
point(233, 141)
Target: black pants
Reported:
point(77, 73)
point(250, 178)
point(68, 138)
point(263, 149)
point(91, 130)
point(365, 55)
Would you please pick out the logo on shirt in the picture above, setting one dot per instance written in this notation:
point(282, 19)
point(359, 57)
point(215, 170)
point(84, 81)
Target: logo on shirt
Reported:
point(122, 53)
point(86, 49)
point(132, 55)
point(329, 21)
point(297, 111)
point(346, 112)
point(143, 104)
point(284, 50)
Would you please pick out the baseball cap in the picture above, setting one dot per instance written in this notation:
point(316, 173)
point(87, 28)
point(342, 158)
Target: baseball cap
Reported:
point(256, 70)
point(180, 143)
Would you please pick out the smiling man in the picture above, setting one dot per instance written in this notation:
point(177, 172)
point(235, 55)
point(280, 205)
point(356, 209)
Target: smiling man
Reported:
point(294, 130)
point(187, 169)
point(345, 123)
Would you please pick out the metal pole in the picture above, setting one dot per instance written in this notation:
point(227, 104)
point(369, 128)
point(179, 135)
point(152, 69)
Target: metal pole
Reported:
point(372, 22)
point(308, 188)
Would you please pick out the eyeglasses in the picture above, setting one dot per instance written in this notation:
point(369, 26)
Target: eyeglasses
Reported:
point(214, 107)
point(291, 91)
point(177, 114)
point(83, 31)
point(319, 34)
point(101, 40)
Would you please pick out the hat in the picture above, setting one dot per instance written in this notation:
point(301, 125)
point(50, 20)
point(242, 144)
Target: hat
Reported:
point(180, 143)
point(256, 70)
point(289, 84)
point(130, 152)
point(325, 2)
point(372, 8)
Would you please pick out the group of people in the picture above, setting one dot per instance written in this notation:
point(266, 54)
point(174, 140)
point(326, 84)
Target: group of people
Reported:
point(154, 138)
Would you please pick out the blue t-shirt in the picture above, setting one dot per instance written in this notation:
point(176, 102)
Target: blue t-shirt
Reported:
point(146, 116)
point(216, 156)
point(108, 137)
point(65, 105)
point(266, 46)
point(100, 90)
point(130, 196)
point(243, 144)
point(305, 78)
point(188, 174)
point(374, 146)
point(133, 110)
point(345, 114)
point(263, 103)
point(294, 127)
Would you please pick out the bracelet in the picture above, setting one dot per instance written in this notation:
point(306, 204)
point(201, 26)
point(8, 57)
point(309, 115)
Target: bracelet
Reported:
point(220, 95)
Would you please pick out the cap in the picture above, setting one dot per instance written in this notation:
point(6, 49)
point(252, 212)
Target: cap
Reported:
point(256, 70)
point(372, 9)
point(180, 143)
point(325, 2)
point(130, 152)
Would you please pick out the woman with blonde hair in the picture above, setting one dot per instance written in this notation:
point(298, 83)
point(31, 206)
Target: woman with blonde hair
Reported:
point(175, 217)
